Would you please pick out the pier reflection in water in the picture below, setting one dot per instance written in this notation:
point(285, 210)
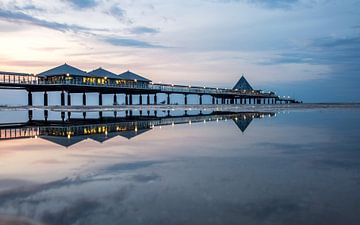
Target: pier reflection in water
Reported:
point(69, 131)
point(297, 168)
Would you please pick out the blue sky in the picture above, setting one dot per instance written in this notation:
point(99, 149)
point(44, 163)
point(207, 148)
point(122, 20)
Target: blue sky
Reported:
point(309, 49)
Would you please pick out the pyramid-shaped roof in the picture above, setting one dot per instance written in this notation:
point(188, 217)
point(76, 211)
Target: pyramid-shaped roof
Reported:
point(62, 70)
point(242, 124)
point(243, 84)
point(63, 141)
point(132, 76)
point(100, 72)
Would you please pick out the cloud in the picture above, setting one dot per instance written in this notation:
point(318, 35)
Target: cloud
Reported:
point(80, 209)
point(272, 4)
point(143, 30)
point(28, 7)
point(128, 42)
point(83, 4)
point(327, 50)
point(117, 12)
point(20, 17)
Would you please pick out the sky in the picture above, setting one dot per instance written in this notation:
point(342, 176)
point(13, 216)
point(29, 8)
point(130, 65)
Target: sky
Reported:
point(308, 49)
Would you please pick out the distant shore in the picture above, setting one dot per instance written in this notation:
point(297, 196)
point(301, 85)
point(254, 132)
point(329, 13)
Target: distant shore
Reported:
point(204, 107)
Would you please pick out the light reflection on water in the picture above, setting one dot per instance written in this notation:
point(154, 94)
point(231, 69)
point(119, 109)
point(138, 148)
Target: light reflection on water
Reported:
point(296, 168)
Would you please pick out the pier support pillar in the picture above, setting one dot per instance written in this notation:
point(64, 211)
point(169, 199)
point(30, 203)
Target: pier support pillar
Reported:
point(213, 100)
point(130, 99)
point(62, 98)
point(46, 115)
point(148, 99)
point(232, 101)
point(155, 99)
point(168, 99)
point(100, 99)
point(84, 98)
point(126, 99)
point(30, 103)
point(140, 100)
point(68, 98)
point(185, 99)
point(30, 115)
point(46, 99)
point(200, 99)
point(115, 99)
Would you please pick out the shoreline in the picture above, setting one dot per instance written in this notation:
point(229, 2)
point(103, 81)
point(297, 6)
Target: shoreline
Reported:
point(204, 107)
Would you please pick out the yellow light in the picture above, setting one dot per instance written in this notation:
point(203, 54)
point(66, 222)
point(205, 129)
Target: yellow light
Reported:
point(136, 129)
point(67, 74)
point(68, 136)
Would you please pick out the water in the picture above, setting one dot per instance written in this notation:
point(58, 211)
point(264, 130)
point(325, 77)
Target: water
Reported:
point(296, 167)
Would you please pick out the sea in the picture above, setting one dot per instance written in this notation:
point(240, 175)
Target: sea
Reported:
point(285, 165)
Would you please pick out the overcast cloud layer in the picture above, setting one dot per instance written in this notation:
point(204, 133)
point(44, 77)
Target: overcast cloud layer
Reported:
point(305, 48)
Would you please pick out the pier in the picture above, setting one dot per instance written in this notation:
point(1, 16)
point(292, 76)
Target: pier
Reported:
point(67, 79)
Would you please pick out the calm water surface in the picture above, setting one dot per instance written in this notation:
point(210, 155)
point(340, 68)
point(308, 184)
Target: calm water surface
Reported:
point(301, 167)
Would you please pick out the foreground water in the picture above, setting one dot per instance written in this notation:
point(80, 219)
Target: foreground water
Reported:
point(298, 167)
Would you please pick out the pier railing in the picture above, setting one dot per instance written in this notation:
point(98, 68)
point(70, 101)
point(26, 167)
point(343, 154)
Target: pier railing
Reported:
point(23, 80)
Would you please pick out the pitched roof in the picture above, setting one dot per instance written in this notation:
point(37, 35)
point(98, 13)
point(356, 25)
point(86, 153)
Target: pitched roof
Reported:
point(132, 76)
point(100, 72)
point(62, 70)
point(243, 84)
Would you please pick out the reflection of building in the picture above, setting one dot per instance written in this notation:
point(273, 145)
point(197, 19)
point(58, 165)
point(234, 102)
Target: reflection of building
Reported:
point(73, 131)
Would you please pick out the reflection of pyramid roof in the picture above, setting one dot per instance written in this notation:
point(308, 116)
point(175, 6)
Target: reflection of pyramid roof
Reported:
point(242, 124)
point(102, 137)
point(132, 133)
point(100, 72)
point(62, 70)
point(243, 84)
point(64, 141)
point(132, 76)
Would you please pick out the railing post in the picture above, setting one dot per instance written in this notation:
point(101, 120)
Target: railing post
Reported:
point(185, 99)
point(148, 99)
point(130, 99)
point(155, 99)
point(140, 99)
point(168, 98)
point(200, 99)
point(213, 100)
point(126, 99)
